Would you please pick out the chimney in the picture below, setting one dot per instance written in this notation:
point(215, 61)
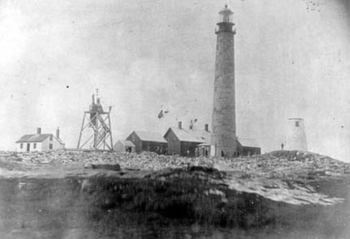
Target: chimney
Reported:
point(180, 125)
point(206, 127)
point(58, 132)
point(38, 130)
point(191, 124)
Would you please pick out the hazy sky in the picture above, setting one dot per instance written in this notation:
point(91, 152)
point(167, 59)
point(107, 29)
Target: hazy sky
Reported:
point(292, 60)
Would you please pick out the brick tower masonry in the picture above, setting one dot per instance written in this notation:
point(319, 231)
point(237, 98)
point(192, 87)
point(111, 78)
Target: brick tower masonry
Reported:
point(224, 116)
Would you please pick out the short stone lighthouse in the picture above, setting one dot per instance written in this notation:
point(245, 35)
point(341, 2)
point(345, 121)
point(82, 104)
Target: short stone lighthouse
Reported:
point(224, 116)
point(296, 137)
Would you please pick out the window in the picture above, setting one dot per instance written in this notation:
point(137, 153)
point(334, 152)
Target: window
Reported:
point(21, 146)
point(51, 137)
point(34, 146)
point(296, 123)
point(50, 146)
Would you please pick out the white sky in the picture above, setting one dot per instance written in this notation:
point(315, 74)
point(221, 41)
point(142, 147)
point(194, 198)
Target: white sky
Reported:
point(292, 60)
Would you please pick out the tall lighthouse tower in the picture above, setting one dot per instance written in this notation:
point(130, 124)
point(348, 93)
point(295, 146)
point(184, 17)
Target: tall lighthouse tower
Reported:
point(224, 116)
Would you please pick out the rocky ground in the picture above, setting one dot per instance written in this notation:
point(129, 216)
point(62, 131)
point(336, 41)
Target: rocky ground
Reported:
point(143, 161)
point(279, 164)
point(282, 191)
point(288, 176)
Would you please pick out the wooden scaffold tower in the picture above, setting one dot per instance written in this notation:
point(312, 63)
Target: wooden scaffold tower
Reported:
point(100, 123)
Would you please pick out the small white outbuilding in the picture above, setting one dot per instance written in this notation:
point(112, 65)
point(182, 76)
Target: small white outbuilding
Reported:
point(125, 146)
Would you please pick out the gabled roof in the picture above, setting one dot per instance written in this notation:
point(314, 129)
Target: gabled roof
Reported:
point(37, 138)
point(191, 135)
point(151, 136)
point(59, 140)
point(248, 142)
point(127, 143)
point(33, 138)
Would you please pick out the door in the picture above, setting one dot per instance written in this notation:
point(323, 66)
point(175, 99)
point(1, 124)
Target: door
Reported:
point(28, 147)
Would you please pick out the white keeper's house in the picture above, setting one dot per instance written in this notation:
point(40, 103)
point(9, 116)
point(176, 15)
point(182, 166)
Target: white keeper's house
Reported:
point(39, 142)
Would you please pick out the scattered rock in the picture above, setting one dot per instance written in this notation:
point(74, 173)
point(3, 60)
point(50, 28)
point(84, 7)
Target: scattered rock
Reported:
point(273, 175)
point(278, 164)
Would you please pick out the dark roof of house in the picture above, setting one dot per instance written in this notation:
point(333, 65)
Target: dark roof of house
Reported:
point(191, 135)
point(151, 136)
point(37, 138)
point(33, 138)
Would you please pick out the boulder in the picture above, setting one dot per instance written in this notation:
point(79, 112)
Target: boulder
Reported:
point(113, 167)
